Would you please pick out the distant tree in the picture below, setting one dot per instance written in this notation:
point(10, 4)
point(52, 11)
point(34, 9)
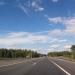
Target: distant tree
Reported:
point(73, 51)
point(18, 53)
point(57, 54)
point(73, 48)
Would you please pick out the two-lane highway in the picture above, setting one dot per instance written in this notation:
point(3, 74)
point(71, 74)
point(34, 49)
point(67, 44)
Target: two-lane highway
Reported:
point(45, 67)
point(68, 66)
point(39, 66)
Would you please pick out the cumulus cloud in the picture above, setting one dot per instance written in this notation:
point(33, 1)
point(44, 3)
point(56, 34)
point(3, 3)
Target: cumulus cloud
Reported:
point(22, 38)
point(70, 25)
point(55, 32)
point(63, 40)
point(54, 45)
point(54, 0)
point(16, 39)
point(54, 37)
point(36, 5)
point(55, 20)
point(62, 36)
point(67, 46)
point(56, 40)
point(68, 22)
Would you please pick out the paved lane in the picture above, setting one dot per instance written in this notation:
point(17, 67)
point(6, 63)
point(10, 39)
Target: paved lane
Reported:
point(69, 66)
point(41, 66)
point(45, 67)
point(19, 69)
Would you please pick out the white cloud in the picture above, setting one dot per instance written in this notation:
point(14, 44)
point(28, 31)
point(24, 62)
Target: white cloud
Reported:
point(70, 25)
point(67, 46)
point(17, 34)
point(68, 22)
point(39, 9)
point(19, 38)
point(33, 40)
point(36, 5)
point(23, 9)
point(55, 33)
point(62, 36)
point(63, 40)
point(56, 20)
point(54, 40)
point(55, 0)
point(58, 40)
point(54, 46)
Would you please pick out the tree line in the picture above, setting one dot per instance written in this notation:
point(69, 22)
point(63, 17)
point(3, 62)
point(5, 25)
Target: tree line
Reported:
point(18, 53)
point(70, 54)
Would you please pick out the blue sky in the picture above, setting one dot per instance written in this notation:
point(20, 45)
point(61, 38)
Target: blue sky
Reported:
point(41, 25)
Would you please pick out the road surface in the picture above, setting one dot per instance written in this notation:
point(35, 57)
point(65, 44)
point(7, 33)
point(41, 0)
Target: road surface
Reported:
point(39, 66)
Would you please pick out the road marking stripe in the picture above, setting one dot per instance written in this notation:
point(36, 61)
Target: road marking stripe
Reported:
point(34, 63)
point(12, 64)
point(67, 60)
point(3, 70)
point(9, 65)
point(61, 68)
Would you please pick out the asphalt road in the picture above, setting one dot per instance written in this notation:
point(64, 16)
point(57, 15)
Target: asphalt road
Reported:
point(39, 66)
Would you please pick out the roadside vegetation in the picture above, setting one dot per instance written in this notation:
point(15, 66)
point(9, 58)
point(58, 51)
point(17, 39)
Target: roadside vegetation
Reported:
point(68, 54)
point(18, 53)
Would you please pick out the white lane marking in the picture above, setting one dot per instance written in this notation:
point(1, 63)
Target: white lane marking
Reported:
point(34, 63)
point(67, 60)
point(12, 64)
point(9, 65)
point(61, 68)
point(60, 59)
point(3, 70)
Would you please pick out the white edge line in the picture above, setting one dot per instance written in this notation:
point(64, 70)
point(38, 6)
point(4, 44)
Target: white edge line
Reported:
point(67, 60)
point(61, 68)
point(34, 63)
point(12, 64)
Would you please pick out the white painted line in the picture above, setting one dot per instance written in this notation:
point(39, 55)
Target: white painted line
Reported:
point(67, 60)
point(34, 63)
point(12, 64)
point(61, 68)
point(3, 70)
